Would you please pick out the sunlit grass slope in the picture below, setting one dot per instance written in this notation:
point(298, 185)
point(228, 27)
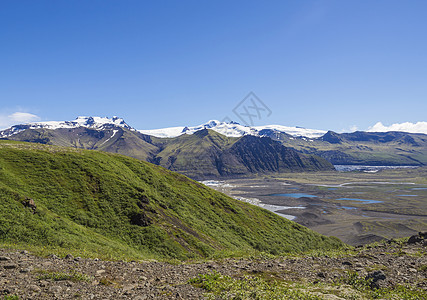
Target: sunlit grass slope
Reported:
point(109, 205)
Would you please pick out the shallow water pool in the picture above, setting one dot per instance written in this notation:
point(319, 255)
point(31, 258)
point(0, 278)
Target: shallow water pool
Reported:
point(294, 195)
point(361, 200)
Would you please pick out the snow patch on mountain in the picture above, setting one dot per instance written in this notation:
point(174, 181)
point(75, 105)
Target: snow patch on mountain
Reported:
point(294, 131)
point(164, 132)
point(231, 129)
point(114, 133)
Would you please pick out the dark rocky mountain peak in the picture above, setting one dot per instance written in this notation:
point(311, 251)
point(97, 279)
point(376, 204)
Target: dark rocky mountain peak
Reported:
point(331, 137)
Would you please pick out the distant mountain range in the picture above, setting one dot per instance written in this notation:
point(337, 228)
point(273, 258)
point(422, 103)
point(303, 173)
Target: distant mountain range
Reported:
point(361, 148)
point(199, 154)
point(219, 149)
point(233, 129)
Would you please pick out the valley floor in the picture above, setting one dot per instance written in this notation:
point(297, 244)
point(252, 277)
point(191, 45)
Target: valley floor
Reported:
point(396, 269)
point(356, 207)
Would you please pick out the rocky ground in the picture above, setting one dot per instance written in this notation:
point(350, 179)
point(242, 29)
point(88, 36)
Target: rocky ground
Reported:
point(31, 277)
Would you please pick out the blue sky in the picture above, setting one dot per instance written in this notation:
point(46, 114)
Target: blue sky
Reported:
point(317, 64)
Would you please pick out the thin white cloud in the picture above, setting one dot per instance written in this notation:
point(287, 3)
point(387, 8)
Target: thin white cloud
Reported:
point(419, 127)
point(17, 118)
point(352, 128)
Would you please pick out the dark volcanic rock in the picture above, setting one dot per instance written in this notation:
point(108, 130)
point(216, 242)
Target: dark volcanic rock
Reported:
point(332, 137)
point(28, 202)
point(377, 277)
point(418, 238)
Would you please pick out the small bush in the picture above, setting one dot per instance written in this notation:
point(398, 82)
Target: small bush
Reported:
point(60, 276)
point(11, 297)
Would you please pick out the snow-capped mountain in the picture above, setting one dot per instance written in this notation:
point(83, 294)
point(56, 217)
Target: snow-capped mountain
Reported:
point(89, 122)
point(233, 129)
point(294, 131)
point(114, 135)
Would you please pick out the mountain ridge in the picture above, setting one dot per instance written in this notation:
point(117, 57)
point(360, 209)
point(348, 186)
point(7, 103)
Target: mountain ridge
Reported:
point(212, 155)
point(202, 155)
point(115, 135)
point(81, 121)
point(362, 148)
point(231, 129)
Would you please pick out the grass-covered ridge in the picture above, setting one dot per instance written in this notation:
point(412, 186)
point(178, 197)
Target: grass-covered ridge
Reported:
point(99, 204)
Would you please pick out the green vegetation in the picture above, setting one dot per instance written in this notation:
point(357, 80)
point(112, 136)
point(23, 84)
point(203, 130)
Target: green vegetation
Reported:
point(60, 276)
point(268, 286)
point(364, 286)
point(423, 268)
point(95, 204)
point(10, 297)
point(218, 286)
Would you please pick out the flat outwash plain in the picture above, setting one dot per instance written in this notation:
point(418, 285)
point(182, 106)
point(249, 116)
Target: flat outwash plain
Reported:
point(357, 207)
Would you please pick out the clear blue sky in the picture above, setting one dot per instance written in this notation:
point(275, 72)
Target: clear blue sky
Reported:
point(316, 64)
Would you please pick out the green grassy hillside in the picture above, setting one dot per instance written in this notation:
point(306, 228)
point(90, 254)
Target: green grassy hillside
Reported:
point(108, 205)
